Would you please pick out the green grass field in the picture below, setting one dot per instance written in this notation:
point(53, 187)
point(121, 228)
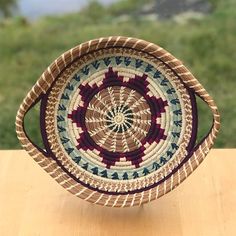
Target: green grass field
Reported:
point(207, 47)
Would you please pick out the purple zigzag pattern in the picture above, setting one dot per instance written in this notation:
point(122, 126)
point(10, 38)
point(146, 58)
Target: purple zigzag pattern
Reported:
point(138, 83)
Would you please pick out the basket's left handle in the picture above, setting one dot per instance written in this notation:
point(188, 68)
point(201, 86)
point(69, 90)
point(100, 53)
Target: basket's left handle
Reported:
point(30, 100)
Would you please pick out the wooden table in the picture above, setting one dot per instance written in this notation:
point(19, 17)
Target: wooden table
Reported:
point(31, 203)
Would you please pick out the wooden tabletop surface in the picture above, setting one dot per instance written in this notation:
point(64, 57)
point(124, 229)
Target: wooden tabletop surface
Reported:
point(32, 203)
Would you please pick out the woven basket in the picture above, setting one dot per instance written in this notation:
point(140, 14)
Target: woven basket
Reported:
point(118, 121)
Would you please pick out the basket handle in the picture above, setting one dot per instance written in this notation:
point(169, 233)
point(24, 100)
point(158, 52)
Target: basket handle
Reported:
point(33, 97)
point(203, 147)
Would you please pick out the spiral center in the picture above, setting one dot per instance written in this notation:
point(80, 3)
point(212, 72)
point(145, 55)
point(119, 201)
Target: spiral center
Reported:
point(119, 118)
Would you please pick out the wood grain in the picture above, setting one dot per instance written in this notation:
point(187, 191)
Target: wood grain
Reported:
point(32, 203)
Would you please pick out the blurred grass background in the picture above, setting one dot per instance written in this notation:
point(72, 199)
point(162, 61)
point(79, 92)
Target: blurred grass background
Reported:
point(207, 46)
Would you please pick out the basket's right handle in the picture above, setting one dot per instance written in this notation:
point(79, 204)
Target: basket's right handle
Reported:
point(203, 147)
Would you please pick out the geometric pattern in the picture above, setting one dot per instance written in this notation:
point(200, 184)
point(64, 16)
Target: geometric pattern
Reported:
point(118, 117)
point(98, 135)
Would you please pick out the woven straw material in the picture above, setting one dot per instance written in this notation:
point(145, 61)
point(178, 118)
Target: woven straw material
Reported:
point(118, 121)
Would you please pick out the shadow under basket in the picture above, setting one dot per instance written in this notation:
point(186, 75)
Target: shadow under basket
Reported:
point(118, 119)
